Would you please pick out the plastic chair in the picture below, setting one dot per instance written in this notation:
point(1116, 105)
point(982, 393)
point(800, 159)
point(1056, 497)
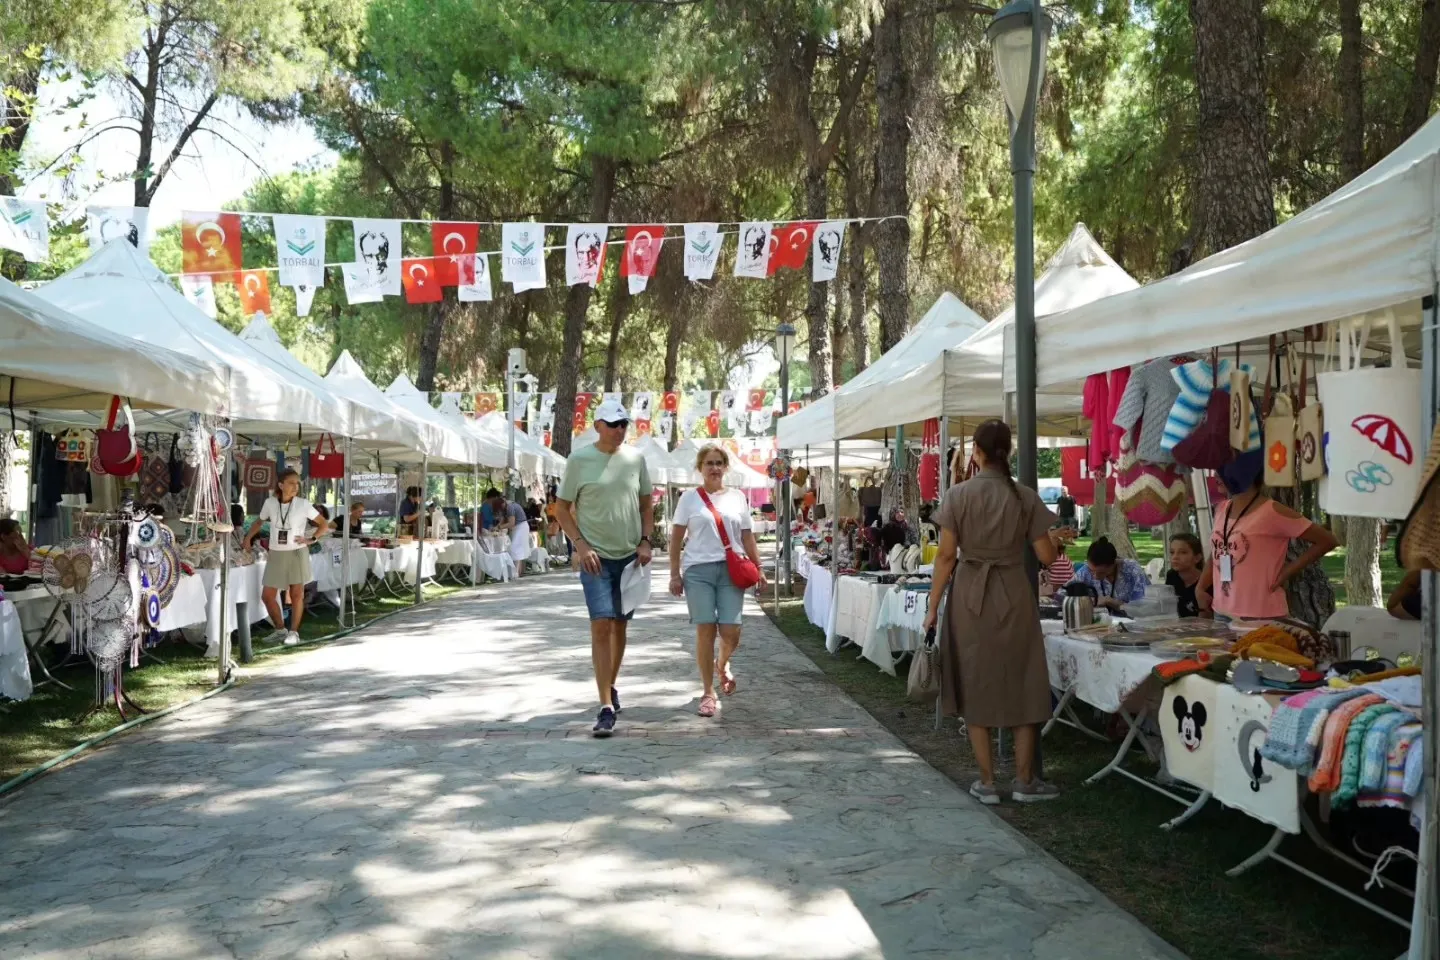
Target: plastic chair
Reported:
point(1154, 569)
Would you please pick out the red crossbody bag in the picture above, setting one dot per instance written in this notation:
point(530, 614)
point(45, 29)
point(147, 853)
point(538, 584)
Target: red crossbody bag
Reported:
point(743, 571)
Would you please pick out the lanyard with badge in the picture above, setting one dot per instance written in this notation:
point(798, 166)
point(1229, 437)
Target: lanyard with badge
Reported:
point(282, 535)
point(1223, 561)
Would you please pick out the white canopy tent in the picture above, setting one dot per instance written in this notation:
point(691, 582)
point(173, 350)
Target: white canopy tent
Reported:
point(404, 393)
point(664, 466)
point(52, 359)
point(121, 290)
point(347, 379)
point(740, 474)
point(497, 427)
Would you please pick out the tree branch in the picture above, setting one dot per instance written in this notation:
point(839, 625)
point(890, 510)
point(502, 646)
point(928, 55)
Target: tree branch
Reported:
point(849, 93)
point(184, 138)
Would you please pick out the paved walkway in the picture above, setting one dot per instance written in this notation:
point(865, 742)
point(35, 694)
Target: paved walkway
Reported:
point(429, 789)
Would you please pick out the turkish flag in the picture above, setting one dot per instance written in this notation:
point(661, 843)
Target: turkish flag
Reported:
point(642, 428)
point(790, 246)
point(757, 400)
point(712, 423)
point(670, 402)
point(254, 289)
point(421, 279)
point(451, 242)
point(642, 250)
point(210, 243)
point(579, 424)
point(582, 403)
point(795, 406)
point(547, 438)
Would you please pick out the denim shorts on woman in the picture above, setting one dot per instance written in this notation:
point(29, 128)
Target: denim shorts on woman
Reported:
point(711, 595)
point(602, 590)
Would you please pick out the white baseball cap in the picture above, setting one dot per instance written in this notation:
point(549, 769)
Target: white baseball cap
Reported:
point(612, 411)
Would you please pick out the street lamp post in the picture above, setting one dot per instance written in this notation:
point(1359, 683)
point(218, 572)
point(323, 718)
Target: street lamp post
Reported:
point(1019, 34)
point(784, 344)
point(515, 369)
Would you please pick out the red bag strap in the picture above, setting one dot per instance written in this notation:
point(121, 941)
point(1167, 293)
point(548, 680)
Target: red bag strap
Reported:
point(114, 412)
point(320, 450)
point(719, 523)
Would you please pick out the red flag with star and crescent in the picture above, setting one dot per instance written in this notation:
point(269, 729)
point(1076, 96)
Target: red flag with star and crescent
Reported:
point(452, 242)
point(642, 250)
point(421, 279)
point(210, 244)
point(254, 289)
point(790, 246)
point(670, 402)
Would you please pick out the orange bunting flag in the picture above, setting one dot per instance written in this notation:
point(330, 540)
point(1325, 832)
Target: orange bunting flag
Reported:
point(210, 243)
point(421, 280)
point(254, 289)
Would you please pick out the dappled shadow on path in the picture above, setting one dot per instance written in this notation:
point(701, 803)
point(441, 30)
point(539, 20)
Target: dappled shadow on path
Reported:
point(432, 791)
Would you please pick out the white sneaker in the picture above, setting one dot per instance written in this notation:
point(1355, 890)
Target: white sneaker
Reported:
point(292, 638)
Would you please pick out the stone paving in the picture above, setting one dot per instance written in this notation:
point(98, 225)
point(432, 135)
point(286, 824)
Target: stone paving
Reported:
point(429, 789)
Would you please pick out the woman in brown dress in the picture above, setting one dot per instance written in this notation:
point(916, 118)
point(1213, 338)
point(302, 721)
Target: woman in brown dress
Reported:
point(992, 653)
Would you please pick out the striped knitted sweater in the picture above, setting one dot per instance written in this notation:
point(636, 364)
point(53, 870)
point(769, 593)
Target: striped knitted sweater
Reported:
point(1196, 382)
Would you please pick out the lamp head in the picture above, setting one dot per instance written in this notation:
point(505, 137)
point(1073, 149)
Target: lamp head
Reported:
point(784, 342)
point(1009, 36)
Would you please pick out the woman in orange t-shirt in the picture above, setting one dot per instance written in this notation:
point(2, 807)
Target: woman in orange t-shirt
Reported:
point(1247, 574)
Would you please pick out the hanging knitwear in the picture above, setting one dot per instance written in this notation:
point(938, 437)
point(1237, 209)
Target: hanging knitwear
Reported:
point(1353, 757)
point(1146, 402)
point(1194, 382)
point(1326, 778)
point(1119, 382)
point(1095, 402)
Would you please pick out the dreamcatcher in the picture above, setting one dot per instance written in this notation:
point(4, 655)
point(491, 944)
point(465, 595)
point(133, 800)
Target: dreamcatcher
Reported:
point(156, 561)
point(202, 445)
point(83, 572)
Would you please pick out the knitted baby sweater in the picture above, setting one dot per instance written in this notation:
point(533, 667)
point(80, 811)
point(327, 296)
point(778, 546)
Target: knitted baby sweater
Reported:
point(1195, 382)
point(1296, 724)
point(1326, 776)
point(1354, 756)
point(1377, 748)
point(1147, 400)
point(1392, 792)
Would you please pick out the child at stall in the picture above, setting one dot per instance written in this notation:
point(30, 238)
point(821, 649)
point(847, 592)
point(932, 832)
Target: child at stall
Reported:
point(1187, 563)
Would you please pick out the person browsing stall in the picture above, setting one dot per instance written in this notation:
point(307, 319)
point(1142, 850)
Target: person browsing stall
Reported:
point(605, 508)
point(410, 506)
point(992, 651)
point(1116, 581)
point(701, 573)
point(287, 566)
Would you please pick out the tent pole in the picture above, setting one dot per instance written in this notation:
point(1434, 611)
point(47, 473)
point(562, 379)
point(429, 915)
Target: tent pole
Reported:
point(944, 456)
point(345, 537)
point(475, 529)
point(32, 481)
point(420, 531)
point(224, 673)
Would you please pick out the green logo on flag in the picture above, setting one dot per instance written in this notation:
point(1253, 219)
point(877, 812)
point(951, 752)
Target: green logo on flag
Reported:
point(702, 248)
point(300, 250)
point(522, 251)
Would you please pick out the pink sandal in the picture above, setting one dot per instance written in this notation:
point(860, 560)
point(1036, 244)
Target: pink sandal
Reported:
point(708, 706)
point(728, 686)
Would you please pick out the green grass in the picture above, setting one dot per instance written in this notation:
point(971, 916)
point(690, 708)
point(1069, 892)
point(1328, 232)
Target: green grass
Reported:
point(1109, 834)
point(54, 719)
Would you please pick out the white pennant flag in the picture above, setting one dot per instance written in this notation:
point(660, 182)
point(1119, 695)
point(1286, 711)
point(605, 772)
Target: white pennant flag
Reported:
point(825, 251)
point(699, 407)
point(199, 290)
point(546, 420)
point(760, 420)
point(300, 243)
point(25, 228)
point(753, 257)
point(585, 253)
point(522, 407)
point(474, 279)
point(644, 403)
point(665, 426)
point(522, 255)
point(377, 253)
point(103, 224)
point(304, 296)
point(702, 250)
point(730, 409)
point(360, 285)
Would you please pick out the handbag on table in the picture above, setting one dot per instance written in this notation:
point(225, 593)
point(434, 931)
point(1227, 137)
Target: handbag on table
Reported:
point(743, 571)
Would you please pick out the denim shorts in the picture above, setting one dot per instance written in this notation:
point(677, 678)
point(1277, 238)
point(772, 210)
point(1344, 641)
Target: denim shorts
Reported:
point(711, 595)
point(602, 590)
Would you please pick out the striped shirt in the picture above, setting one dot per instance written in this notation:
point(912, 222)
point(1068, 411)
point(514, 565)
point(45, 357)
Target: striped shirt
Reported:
point(1196, 381)
point(1062, 571)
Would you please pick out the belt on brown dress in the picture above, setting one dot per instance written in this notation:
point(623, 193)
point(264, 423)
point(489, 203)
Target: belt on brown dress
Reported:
point(975, 590)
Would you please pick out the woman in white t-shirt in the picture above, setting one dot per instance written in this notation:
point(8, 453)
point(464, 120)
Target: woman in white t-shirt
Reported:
point(287, 567)
point(701, 573)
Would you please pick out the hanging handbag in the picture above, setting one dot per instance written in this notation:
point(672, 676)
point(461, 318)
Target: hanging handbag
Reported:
point(1373, 422)
point(1310, 423)
point(116, 447)
point(923, 684)
point(74, 446)
point(1417, 547)
point(176, 466)
point(743, 571)
point(326, 464)
point(1280, 421)
point(1149, 494)
point(155, 479)
point(1240, 404)
point(1208, 446)
point(260, 475)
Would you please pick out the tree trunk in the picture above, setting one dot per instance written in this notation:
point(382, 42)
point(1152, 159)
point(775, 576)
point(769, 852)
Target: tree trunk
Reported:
point(1107, 520)
point(1422, 77)
point(620, 302)
point(1234, 191)
point(1362, 563)
point(7, 456)
point(1350, 79)
point(577, 302)
point(1312, 597)
point(837, 330)
point(439, 313)
point(892, 237)
point(16, 122)
point(817, 317)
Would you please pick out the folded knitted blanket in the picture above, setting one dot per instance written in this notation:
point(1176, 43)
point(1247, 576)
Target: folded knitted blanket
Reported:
point(1326, 776)
point(1376, 749)
point(1296, 724)
point(1354, 752)
point(1392, 793)
point(1414, 766)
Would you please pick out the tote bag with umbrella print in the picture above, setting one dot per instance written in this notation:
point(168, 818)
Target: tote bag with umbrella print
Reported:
point(1372, 426)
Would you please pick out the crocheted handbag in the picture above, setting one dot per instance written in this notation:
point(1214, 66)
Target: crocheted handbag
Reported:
point(1208, 446)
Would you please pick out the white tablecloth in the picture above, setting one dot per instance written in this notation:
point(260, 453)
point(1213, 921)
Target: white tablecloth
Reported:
point(458, 552)
point(404, 559)
point(327, 566)
point(857, 608)
point(14, 664)
point(34, 607)
point(188, 606)
point(819, 585)
point(497, 566)
point(1102, 678)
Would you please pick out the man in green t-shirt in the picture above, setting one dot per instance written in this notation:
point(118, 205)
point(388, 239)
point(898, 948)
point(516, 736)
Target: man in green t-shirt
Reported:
point(605, 509)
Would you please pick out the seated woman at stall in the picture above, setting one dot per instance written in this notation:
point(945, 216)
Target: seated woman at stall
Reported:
point(1116, 581)
point(1404, 603)
point(896, 531)
point(354, 525)
point(14, 551)
point(1187, 564)
point(1248, 572)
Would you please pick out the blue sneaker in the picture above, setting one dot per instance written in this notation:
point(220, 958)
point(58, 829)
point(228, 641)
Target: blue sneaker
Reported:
point(615, 699)
point(605, 723)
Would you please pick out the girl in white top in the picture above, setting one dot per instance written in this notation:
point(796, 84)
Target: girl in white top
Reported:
point(700, 573)
point(287, 566)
